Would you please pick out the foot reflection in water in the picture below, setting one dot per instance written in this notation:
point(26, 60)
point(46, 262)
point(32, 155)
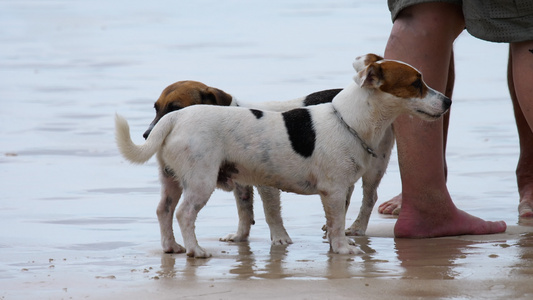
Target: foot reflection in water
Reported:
point(432, 258)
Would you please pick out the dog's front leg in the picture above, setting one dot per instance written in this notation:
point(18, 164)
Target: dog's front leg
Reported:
point(335, 208)
point(272, 207)
point(348, 200)
point(244, 195)
point(170, 196)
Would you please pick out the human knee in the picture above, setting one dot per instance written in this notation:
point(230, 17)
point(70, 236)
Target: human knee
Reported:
point(432, 20)
point(521, 51)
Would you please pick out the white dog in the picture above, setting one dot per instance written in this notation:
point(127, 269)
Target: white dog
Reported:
point(182, 94)
point(322, 149)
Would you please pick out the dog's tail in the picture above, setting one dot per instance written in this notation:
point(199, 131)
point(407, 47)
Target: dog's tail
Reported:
point(139, 153)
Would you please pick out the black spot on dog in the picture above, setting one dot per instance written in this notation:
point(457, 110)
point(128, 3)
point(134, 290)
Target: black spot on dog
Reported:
point(226, 170)
point(301, 131)
point(257, 113)
point(531, 50)
point(321, 97)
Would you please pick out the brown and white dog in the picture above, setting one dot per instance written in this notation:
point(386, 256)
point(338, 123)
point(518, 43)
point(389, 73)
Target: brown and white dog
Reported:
point(186, 93)
point(322, 149)
point(182, 94)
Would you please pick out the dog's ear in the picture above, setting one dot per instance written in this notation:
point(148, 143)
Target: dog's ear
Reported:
point(362, 62)
point(215, 96)
point(371, 76)
point(372, 58)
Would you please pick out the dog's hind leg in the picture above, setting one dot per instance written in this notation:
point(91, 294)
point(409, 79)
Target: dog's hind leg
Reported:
point(170, 195)
point(272, 208)
point(195, 196)
point(359, 226)
point(371, 181)
point(244, 195)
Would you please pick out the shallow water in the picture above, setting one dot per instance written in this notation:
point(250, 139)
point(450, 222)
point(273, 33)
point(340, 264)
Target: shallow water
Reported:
point(75, 217)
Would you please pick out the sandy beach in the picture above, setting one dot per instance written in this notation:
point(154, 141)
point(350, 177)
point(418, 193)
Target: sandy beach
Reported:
point(78, 222)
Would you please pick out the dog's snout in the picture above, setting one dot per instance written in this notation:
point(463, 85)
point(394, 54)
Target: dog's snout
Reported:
point(147, 132)
point(446, 102)
point(150, 127)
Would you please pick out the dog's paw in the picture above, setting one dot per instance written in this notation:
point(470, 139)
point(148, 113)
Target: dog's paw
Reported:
point(173, 247)
point(358, 228)
point(354, 232)
point(279, 236)
point(234, 237)
point(345, 246)
point(325, 229)
point(198, 252)
point(281, 240)
point(348, 249)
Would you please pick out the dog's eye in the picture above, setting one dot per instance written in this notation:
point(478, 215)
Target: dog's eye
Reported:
point(156, 107)
point(417, 84)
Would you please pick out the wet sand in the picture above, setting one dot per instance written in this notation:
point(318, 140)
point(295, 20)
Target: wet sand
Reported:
point(480, 267)
point(78, 222)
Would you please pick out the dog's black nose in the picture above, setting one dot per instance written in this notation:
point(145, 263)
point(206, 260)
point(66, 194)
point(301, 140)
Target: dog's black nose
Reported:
point(147, 133)
point(150, 127)
point(446, 102)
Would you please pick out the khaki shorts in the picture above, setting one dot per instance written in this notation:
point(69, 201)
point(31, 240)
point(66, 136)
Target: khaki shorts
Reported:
point(492, 20)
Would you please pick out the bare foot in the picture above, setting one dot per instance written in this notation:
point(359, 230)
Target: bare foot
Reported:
point(414, 223)
point(525, 208)
point(391, 207)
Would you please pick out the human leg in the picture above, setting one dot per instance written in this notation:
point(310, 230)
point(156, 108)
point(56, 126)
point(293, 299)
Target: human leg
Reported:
point(394, 205)
point(520, 72)
point(423, 36)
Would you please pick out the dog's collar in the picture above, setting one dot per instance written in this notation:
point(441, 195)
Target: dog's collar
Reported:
point(354, 133)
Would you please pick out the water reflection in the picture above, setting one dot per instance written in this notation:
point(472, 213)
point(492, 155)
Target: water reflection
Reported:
point(525, 221)
point(524, 266)
point(244, 263)
point(278, 262)
point(274, 265)
point(427, 259)
point(431, 259)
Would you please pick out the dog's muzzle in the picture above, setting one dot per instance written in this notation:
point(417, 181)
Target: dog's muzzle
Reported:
point(147, 132)
point(150, 127)
point(446, 102)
